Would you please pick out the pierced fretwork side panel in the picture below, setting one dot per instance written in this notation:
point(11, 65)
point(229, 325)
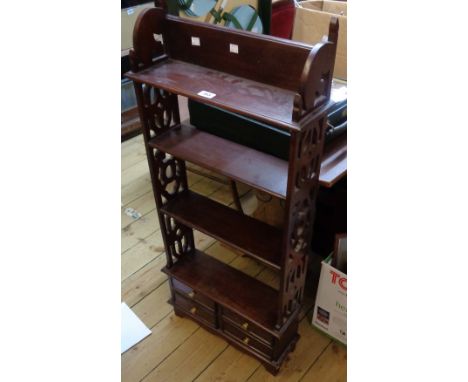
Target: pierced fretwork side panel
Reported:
point(304, 184)
point(161, 110)
point(159, 113)
point(169, 179)
point(179, 239)
point(169, 176)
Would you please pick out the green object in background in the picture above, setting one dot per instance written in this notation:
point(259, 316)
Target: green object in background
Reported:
point(245, 18)
point(196, 8)
point(263, 9)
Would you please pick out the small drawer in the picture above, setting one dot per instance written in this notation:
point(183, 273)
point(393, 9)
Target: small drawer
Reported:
point(196, 310)
point(249, 327)
point(192, 294)
point(240, 336)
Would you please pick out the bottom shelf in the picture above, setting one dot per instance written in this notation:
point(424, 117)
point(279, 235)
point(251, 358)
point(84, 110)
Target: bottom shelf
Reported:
point(228, 287)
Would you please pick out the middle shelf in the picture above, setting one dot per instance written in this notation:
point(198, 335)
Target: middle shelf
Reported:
point(244, 164)
point(254, 168)
point(253, 237)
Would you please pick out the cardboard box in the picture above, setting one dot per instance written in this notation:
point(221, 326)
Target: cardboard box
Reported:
point(311, 24)
point(330, 310)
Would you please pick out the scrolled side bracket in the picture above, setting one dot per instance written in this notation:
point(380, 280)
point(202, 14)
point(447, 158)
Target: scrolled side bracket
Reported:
point(316, 78)
point(149, 24)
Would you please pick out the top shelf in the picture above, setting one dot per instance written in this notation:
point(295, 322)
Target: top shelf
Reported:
point(253, 99)
point(276, 81)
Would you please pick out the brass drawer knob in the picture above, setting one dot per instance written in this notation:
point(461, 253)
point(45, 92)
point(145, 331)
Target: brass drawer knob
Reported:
point(193, 310)
point(245, 325)
point(246, 340)
point(191, 294)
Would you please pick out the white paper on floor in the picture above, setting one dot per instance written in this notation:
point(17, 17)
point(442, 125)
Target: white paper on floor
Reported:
point(133, 329)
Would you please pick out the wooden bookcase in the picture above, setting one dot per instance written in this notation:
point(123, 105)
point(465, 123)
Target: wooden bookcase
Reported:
point(279, 82)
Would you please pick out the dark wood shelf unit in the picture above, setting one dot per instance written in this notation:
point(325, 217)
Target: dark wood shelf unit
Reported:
point(283, 83)
point(254, 168)
point(229, 226)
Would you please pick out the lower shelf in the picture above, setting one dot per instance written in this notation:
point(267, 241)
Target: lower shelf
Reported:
point(229, 287)
point(251, 236)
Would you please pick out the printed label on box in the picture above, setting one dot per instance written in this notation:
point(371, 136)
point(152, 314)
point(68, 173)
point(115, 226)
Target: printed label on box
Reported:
point(330, 311)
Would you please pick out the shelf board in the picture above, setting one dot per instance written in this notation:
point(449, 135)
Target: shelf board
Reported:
point(254, 168)
point(229, 287)
point(263, 102)
point(253, 237)
point(334, 162)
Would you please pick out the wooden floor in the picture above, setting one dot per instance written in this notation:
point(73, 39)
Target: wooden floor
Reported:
point(178, 349)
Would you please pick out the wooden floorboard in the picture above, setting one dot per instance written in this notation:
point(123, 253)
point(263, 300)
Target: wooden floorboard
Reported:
point(189, 359)
point(329, 367)
point(308, 349)
point(178, 349)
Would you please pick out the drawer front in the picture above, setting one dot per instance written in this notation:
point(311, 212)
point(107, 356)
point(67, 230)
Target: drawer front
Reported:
point(240, 336)
point(194, 309)
point(191, 294)
point(249, 327)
